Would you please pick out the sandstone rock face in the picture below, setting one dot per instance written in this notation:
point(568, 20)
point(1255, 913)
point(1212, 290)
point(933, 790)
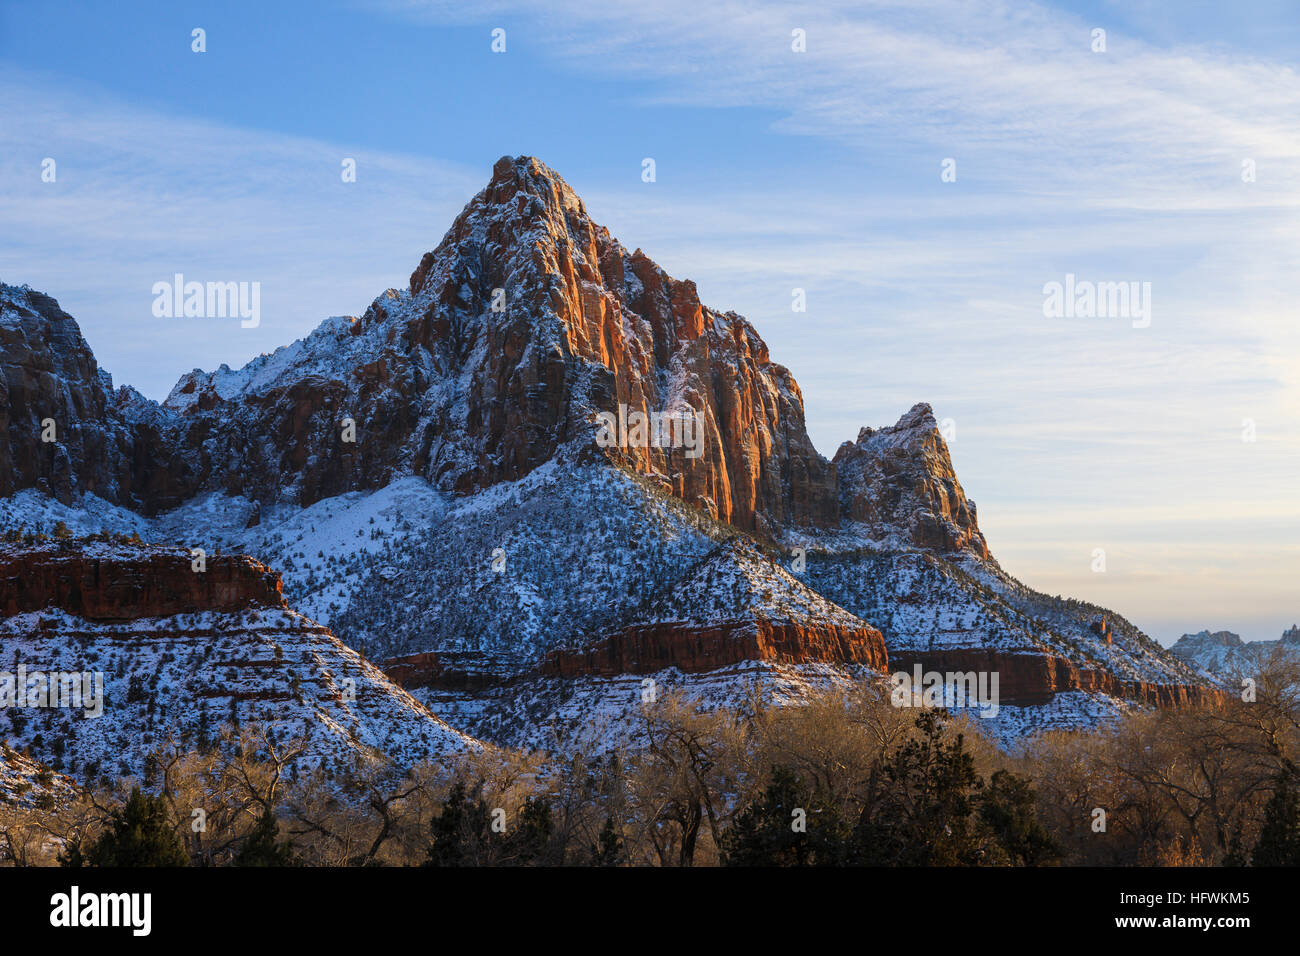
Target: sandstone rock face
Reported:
point(693, 648)
point(119, 582)
point(1029, 679)
point(898, 483)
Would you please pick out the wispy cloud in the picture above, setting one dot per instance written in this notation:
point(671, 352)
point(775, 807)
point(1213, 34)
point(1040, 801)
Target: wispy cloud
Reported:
point(140, 195)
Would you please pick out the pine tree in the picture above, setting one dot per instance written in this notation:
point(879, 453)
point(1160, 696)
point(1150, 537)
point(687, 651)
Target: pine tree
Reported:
point(609, 846)
point(1279, 837)
point(529, 839)
point(261, 848)
point(139, 835)
point(1008, 809)
point(457, 828)
point(788, 826)
point(920, 804)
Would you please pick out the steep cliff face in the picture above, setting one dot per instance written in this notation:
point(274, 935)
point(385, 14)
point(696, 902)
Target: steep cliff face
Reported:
point(59, 428)
point(524, 323)
point(1029, 679)
point(116, 582)
point(116, 445)
point(897, 486)
point(693, 648)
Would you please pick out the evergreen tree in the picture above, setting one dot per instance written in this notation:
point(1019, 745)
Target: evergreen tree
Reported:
point(1009, 810)
point(261, 848)
point(788, 826)
point(609, 846)
point(457, 828)
point(529, 839)
point(1279, 837)
point(139, 835)
point(920, 804)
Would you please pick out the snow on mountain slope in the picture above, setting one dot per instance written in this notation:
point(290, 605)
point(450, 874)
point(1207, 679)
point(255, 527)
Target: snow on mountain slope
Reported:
point(25, 781)
point(186, 675)
point(178, 654)
point(735, 581)
point(926, 603)
point(564, 714)
point(1225, 658)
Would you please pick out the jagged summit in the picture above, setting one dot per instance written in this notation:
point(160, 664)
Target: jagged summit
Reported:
point(897, 483)
point(518, 329)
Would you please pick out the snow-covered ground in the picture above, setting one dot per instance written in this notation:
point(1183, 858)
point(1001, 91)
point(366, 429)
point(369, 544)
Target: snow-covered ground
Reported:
point(185, 676)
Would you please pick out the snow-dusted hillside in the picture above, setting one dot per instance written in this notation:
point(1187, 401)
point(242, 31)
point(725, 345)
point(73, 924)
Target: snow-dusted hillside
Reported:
point(140, 670)
point(1224, 657)
point(24, 781)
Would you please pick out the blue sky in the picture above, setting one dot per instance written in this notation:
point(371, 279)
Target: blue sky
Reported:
point(775, 170)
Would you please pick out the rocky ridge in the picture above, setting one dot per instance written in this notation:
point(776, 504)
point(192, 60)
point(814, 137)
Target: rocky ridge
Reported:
point(475, 397)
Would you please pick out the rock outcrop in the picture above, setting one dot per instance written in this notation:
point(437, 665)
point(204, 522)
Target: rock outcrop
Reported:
point(694, 648)
point(119, 582)
point(1028, 679)
point(735, 604)
point(899, 486)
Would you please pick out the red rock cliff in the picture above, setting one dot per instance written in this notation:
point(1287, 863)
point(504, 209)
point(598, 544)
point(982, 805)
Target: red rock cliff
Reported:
point(111, 583)
point(1028, 679)
point(650, 647)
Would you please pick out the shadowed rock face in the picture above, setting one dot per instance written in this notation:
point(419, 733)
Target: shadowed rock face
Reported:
point(694, 648)
point(120, 583)
point(899, 483)
point(51, 384)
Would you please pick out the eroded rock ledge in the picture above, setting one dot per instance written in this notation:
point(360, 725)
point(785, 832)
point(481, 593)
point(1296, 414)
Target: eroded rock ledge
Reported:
point(121, 584)
point(1029, 679)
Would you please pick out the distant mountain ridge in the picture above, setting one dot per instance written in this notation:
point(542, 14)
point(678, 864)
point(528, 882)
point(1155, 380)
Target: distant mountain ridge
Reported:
point(1224, 657)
